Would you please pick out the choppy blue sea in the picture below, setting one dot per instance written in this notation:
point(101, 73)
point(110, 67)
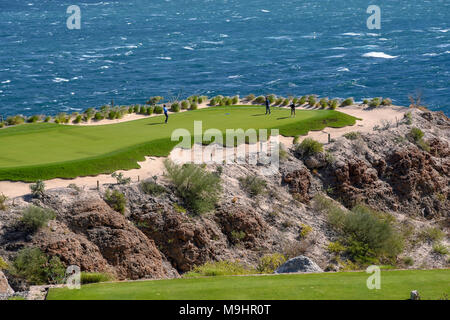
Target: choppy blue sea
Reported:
point(129, 50)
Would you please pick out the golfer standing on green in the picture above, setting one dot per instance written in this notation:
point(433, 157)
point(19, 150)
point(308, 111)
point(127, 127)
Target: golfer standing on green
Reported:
point(267, 105)
point(165, 113)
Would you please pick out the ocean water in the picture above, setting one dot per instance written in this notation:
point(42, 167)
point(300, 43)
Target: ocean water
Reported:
point(130, 50)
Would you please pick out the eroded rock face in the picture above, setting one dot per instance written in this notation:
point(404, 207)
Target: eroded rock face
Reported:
point(184, 241)
point(241, 224)
point(299, 183)
point(5, 289)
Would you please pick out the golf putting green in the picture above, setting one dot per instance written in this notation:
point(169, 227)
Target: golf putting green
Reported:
point(44, 151)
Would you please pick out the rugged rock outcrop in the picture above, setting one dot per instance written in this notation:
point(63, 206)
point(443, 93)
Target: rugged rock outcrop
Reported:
point(298, 264)
point(299, 182)
point(5, 289)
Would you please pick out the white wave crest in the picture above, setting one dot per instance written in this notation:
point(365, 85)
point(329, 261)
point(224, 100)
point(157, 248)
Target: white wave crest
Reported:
point(378, 55)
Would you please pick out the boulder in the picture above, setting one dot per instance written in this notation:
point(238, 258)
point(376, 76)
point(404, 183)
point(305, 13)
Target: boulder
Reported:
point(5, 289)
point(298, 264)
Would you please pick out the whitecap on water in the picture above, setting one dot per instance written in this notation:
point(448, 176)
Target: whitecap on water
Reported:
point(351, 34)
point(265, 11)
point(6, 81)
point(58, 80)
point(188, 48)
point(342, 69)
point(378, 55)
point(164, 58)
point(235, 76)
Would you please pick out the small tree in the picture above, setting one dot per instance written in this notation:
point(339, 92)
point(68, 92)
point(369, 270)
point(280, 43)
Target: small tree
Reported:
point(35, 218)
point(120, 178)
point(116, 200)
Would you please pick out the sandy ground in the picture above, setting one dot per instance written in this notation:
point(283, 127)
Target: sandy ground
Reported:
point(153, 166)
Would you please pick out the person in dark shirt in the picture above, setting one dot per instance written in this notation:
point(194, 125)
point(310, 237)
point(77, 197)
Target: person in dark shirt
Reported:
point(292, 109)
point(267, 105)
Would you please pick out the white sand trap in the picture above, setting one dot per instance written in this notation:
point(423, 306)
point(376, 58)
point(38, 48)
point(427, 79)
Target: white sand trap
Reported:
point(153, 166)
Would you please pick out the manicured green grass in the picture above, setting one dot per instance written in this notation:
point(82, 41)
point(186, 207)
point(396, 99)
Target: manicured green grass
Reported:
point(395, 285)
point(43, 151)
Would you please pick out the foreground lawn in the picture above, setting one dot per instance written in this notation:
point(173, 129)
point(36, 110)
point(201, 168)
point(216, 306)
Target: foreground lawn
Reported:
point(44, 151)
point(395, 285)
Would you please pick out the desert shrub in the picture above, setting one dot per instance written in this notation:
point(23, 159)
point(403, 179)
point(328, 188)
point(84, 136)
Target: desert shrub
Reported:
point(440, 248)
point(278, 101)
point(143, 110)
point(78, 119)
point(213, 102)
point(253, 185)
point(375, 102)
point(37, 268)
point(368, 235)
point(136, 108)
point(120, 178)
point(154, 100)
point(35, 218)
point(408, 118)
point(47, 119)
point(282, 153)
point(150, 110)
point(158, 110)
point(152, 188)
point(235, 100)
point(285, 102)
point(422, 144)
point(269, 263)
point(228, 101)
point(198, 188)
point(366, 101)
point(323, 103)
point(185, 105)
point(38, 188)
point(386, 102)
point(309, 147)
point(62, 118)
point(15, 120)
point(175, 107)
point(34, 118)
point(130, 110)
point(294, 249)
point(194, 106)
point(95, 277)
point(296, 139)
point(347, 102)
point(99, 116)
point(260, 100)
point(74, 187)
point(302, 100)
point(201, 99)
point(238, 236)
point(3, 264)
point(408, 261)
point(416, 134)
point(295, 100)
point(272, 98)
point(2, 124)
point(352, 135)
point(218, 268)
point(305, 231)
point(3, 200)
point(116, 200)
point(334, 104)
point(250, 97)
point(431, 234)
point(312, 101)
point(336, 247)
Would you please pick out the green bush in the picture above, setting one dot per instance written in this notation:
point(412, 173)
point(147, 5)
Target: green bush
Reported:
point(95, 277)
point(3, 264)
point(260, 100)
point(269, 263)
point(154, 100)
point(33, 119)
point(78, 119)
point(285, 102)
point(347, 102)
point(3, 200)
point(302, 100)
point(375, 102)
point(408, 261)
point(440, 248)
point(143, 110)
point(37, 268)
point(136, 108)
point(194, 106)
point(235, 100)
point(116, 200)
point(15, 120)
point(152, 188)
point(253, 185)
point(185, 105)
point(368, 235)
point(323, 103)
point(158, 110)
point(218, 268)
point(366, 101)
point(352, 135)
point(386, 102)
point(250, 97)
point(309, 147)
point(198, 188)
point(278, 101)
point(175, 107)
point(150, 110)
point(120, 178)
point(35, 218)
point(2, 124)
point(38, 188)
point(334, 104)
point(98, 116)
point(312, 101)
point(416, 134)
point(432, 234)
